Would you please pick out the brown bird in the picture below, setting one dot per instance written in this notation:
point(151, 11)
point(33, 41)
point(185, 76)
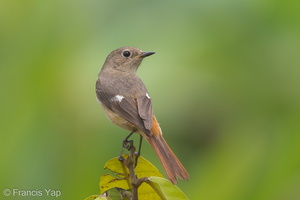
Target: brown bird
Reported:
point(127, 103)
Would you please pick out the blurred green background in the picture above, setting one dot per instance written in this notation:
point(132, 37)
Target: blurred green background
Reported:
point(224, 83)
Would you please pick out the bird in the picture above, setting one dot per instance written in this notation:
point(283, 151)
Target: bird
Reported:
point(127, 103)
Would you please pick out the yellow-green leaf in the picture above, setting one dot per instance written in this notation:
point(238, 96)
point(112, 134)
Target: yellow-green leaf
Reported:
point(108, 181)
point(116, 166)
point(165, 189)
point(121, 180)
point(144, 167)
point(96, 197)
point(145, 191)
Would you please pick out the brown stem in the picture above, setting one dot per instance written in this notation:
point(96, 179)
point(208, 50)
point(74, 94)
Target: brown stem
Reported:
point(133, 177)
point(130, 164)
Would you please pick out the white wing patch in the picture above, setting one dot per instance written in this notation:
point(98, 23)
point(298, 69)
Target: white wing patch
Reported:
point(147, 95)
point(117, 98)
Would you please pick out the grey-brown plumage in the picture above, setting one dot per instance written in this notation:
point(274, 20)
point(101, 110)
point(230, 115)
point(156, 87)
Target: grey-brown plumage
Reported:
point(118, 77)
point(127, 103)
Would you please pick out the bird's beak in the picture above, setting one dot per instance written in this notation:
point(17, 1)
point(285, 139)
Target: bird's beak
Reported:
point(145, 54)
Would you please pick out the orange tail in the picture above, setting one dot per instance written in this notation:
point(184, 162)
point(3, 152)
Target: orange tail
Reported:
point(170, 162)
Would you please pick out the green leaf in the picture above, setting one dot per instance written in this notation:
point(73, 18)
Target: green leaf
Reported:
point(165, 189)
point(115, 194)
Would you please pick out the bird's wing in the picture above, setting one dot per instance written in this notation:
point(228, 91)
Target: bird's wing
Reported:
point(137, 111)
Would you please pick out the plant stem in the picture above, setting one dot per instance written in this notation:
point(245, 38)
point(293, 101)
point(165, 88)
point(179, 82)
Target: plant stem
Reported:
point(130, 164)
point(132, 174)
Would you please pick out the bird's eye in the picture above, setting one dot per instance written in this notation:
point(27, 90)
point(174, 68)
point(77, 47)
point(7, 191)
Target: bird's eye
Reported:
point(126, 54)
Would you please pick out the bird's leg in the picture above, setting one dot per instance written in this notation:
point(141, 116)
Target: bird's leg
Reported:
point(128, 144)
point(137, 154)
